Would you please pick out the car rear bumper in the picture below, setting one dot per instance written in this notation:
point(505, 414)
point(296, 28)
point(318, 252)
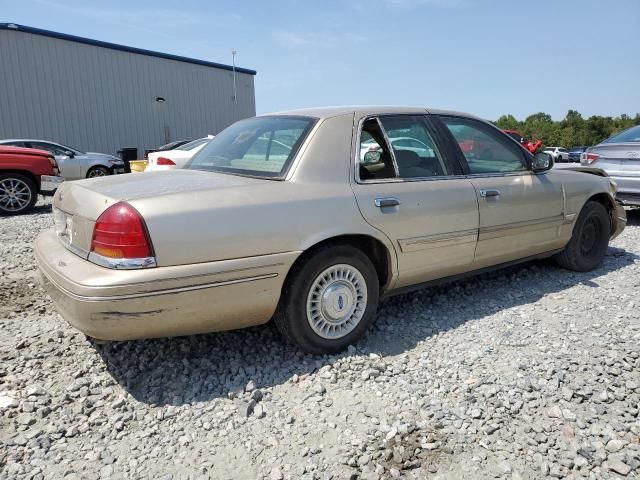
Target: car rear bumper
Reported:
point(163, 301)
point(49, 184)
point(628, 189)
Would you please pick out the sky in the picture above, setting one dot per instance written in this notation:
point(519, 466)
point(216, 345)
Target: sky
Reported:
point(486, 57)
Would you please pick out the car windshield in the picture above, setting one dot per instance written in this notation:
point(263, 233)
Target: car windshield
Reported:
point(193, 144)
point(171, 146)
point(631, 135)
point(259, 146)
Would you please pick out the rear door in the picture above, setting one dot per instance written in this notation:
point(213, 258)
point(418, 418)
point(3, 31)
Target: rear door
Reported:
point(409, 186)
point(521, 213)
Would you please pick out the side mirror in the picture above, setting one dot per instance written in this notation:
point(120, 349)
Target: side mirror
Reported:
point(541, 162)
point(372, 157)
point(69, 153)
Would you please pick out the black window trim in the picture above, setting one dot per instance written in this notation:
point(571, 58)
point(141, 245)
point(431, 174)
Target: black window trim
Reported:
point(526, 156)
point(441, 144)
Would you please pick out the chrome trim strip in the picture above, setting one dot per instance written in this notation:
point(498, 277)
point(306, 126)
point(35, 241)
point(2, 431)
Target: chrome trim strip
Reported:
point(122, 263)
point(486, 233)
point(156, 293)
point(438, 240)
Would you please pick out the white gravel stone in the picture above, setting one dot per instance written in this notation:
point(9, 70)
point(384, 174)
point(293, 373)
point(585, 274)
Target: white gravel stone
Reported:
point(522, 373)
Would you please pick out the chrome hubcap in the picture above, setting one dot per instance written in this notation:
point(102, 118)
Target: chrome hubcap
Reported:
point(15, 194)
point(337, 301)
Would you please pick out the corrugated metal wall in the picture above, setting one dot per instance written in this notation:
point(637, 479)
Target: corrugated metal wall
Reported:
point(99, 99)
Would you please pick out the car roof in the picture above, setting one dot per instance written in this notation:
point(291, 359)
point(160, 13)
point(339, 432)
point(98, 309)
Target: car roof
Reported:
point(366, 110)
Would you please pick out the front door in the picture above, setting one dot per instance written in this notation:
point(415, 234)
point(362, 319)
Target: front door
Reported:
point(407, 186)
point(521, 213)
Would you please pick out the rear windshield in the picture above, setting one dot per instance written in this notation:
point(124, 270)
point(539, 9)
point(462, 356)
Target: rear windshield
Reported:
point(631, 135)
point(193, 144)
point(257, 147)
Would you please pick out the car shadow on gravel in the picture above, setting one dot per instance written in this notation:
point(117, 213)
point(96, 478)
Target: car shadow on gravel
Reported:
point(202, 368)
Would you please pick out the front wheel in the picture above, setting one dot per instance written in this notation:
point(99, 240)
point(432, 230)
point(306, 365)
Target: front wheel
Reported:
point(18, 194)
point(329, 300)
point(589, 241)
point(98, 171)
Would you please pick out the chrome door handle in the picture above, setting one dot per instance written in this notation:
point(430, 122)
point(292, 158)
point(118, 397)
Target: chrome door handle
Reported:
point(490, 192)
point(386, 202)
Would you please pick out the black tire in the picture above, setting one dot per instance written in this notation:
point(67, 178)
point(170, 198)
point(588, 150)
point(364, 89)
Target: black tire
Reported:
point(589, 241)
point(291, 316)
point(18, 194)
point(98, 171)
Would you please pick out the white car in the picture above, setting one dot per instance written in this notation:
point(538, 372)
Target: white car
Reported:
point(177, 158)
point(559, 154)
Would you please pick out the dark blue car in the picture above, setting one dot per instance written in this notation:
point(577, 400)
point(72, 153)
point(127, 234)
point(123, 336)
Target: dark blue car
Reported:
point(574, 153)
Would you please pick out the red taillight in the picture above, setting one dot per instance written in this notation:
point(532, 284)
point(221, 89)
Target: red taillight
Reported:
point(120, 233)
point(54, 164)
point(164, 161)
point(589, 158)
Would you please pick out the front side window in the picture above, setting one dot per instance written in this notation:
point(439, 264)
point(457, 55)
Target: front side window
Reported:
point(260, 146)
point(485, 149)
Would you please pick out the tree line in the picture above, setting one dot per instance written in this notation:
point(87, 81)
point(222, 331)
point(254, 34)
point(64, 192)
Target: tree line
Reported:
point(571, 131)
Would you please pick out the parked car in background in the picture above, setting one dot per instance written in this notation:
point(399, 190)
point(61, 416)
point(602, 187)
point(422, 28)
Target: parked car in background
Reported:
point(25, 173)
point(74, 163)
point(314, 236)
point(176, 158)
point(576, 152)
point(619, 156)
point(165, 147)
point(532, 146)
point(559, 154)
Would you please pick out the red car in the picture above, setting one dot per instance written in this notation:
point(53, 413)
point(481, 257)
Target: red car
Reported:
point(532, 145)
point(25, 173)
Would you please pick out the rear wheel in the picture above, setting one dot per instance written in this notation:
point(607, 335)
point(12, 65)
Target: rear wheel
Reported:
point(98, 171)
point(588, 245)
point(18, 194)
point(329, 300)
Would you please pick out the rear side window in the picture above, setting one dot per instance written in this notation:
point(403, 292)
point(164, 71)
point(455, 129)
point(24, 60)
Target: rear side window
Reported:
point(375, 162)
point(485, 149)
point(56, 150)
point(413, 147)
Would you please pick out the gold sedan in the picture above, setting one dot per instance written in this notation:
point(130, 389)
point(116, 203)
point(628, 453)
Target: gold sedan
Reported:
point(310, 217)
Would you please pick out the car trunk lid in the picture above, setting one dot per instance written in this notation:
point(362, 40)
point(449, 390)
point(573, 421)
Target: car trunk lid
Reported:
point(77, 205)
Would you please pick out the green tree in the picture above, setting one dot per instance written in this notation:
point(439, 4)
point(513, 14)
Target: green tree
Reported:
point(572, 130)
point(508, 122)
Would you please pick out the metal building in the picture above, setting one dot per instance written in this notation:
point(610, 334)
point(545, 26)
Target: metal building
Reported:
point(99, 96)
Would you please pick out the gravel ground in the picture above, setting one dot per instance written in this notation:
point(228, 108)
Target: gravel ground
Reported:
point(532, 372)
